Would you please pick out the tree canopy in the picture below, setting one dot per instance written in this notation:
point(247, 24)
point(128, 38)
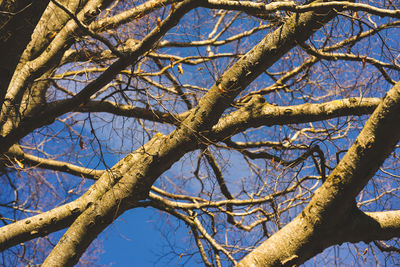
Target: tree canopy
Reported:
point(268, 129)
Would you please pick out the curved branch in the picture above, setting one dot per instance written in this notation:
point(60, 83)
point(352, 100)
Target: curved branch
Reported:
point(132, 112)
point(56, 109)
point(333, 203)
point(369, 226)
point(312, 112)
point(55, 165)
point(198, 203)
point(130, 15)
point(41, 225)
point(257, 113)
point(293, 7)
point(63, 216)
point(351, 57)
point(112, 197)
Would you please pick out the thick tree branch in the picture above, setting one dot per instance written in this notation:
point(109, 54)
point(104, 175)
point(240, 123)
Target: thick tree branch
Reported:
point(51, 164)
point(140, 79)
point(40, 225)
point(63, 216)
point(369, 226)
point(15, 30)
point(34, 63)
point(132, 112)
point(345, 107)
point(130, 15)
point(293, 7)
point(134, 187)
point(316, 226)
point(56, 109)
point(257, 113)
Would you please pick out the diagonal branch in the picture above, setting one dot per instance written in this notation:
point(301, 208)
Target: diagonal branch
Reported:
point(132, 112)
point(57, 108)
point(134, 187)
point(370, 226)
point(333, 203)
point(55, 165)
point(262, 8)
point(344, 107)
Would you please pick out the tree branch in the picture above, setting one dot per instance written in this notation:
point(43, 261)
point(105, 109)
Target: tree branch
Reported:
point(132, 112)
point(257, 113)
point(55, 165)
point(369, 226)
point(333, 203)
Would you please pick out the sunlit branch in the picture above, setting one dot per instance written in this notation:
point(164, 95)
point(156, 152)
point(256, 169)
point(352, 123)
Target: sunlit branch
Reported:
point(63, 216)
point(35, 67)
point(333, 203)
point(247, 227)
point(82, 72)
point(266, 114)
point(199, 203)
point(200, 246)
point(132, 111)
point(271, 144)
point(330, 109)
point(193, 60)
point(56, 109)
point(176, 196)
point(101, 56)
point(256, 113)
point(377, 197)
point(189, 220)
point(368, 226)
point(51, 164)
point(381, 66)
point(280, 83)
point(87, 30)
point(130, 15)
point(170, 90)
point(360, 36)
point(209, 238)
point(213, 42)
point(19, 208)
point(40, 225)
point(293, 7)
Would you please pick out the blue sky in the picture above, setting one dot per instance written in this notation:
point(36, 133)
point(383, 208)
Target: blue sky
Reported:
point(134, 240)
point(140, 237)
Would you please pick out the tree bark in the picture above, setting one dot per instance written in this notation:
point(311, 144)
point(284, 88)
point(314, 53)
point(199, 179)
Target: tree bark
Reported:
point(134, 186)
point(333, 206)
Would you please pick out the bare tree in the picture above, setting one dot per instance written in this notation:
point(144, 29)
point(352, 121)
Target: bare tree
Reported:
point(278, 121)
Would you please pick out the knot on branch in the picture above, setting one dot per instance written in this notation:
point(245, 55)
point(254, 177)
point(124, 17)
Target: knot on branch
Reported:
point(251, 101)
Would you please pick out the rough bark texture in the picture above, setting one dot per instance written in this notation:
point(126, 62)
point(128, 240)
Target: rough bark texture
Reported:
point(333, 207)
point(33, 55)
point(15, 31)
point(135, 186)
